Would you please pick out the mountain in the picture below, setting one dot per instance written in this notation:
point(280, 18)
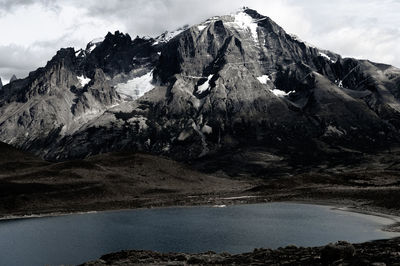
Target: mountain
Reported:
point(230, 83)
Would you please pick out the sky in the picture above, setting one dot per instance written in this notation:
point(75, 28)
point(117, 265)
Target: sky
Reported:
point(31, 31)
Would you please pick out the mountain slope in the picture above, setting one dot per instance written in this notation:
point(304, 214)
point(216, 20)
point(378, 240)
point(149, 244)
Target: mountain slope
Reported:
point(230, 82)
point(115, 180)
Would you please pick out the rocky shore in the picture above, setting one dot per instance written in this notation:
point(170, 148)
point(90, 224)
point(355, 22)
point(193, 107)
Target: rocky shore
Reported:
point(377, 253)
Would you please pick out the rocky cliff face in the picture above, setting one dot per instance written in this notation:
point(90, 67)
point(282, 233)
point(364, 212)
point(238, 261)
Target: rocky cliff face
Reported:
point(232, 81)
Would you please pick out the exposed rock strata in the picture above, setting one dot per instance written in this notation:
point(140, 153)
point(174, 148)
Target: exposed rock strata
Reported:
point(230, 82)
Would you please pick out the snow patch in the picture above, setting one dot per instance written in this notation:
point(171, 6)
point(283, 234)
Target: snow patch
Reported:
point(94, 43)
point(206, 129)
point(244, 21)
point(136, 87)
point(171, 35)
point(168, 35)
point(92, 47)
point(83, 80)
point(280, 93)
point(201, 27)
point(263, 79)
point(326, 57)
point(77, 53)
point(297, 38)
point(205, 86)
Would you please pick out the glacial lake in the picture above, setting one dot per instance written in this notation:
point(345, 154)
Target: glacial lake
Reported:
point(74, 239)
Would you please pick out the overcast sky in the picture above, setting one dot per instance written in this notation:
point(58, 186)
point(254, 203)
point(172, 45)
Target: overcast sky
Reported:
point(33, 30)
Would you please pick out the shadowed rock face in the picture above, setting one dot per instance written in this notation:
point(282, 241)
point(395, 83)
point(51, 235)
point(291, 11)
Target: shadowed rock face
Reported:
point(232, 81)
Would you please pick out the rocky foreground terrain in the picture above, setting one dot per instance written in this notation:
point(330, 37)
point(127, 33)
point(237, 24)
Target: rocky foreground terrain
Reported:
point(377, 253)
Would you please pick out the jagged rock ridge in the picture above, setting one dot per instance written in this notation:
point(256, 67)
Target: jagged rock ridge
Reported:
point(13, 78)
point(231, 81)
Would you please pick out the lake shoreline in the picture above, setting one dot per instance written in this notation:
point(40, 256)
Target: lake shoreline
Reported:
point(237, 200)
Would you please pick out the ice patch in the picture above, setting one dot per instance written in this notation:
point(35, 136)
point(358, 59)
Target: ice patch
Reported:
point(83, 80)
point(136, 87)
point(201, 27)
point(205, 86)
point(263, 79)
point(245, 21)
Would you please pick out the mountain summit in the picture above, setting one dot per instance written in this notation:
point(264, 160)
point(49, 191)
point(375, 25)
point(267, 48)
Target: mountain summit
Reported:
point(230, 82)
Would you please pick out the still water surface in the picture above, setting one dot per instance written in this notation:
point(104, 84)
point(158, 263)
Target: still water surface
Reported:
point(75, 239)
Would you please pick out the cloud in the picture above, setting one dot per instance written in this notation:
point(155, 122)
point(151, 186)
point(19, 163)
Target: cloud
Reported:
point(35, 29)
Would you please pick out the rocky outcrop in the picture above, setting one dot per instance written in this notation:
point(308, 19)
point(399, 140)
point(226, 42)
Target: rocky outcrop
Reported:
point(338, 251)
point(229, 82)
point(1, 84)
point(13, 78)
point(381, 252)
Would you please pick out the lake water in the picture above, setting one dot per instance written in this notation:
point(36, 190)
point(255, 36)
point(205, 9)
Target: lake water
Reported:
point(78, 238)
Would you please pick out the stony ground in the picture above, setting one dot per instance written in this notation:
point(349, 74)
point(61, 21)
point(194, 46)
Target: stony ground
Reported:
point(377, 253)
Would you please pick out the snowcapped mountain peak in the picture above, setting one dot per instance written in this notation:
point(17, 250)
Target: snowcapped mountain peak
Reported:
point(198, 89)
point(243, 20)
